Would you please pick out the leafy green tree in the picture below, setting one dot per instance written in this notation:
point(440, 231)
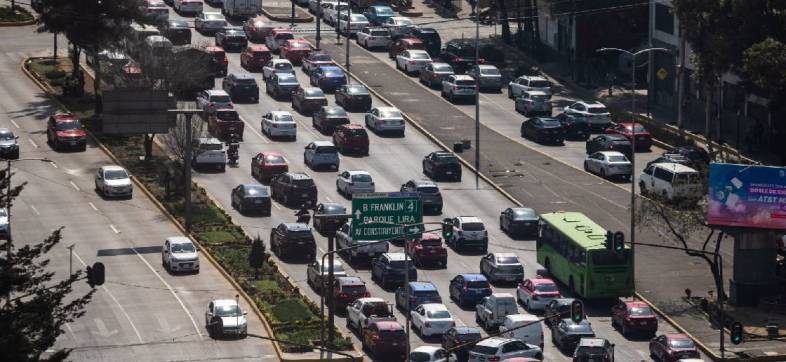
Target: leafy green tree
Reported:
point(39, 303)
point(256, 257)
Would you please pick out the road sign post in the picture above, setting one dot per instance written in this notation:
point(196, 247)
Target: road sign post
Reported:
point(374, 213)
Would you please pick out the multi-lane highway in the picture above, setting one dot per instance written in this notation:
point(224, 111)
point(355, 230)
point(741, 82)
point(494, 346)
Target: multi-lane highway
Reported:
point(141, 313)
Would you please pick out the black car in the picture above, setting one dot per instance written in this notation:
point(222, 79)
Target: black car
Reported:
point(327, 118)
point(388, 268)
point(293, 189)
point(543, 130)
point(594, 349)
point(576, 127)
point(232, 39)
point(293, 240)
point(609, 142)
point(430, 39)
point(353, 97)
point(556, 310)
point(519, 221)
point(566, 334)
point(460, 54)
point(671, 158)
point(697, 155)
point(430, 197)
point(241, 86)
point(442, 165)
point(329, 225)
point(9, 148)
point(251, 198)
point(308, 100)
point(177, 31)
point(459, 336)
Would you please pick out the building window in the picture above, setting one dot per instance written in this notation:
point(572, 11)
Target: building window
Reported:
point(664, 18)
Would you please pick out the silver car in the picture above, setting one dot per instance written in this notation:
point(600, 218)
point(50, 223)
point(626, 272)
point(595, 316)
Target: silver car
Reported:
point(434, 73)
point(412, 60)
point(608, 164)
point(225, 317)
point(534, 102)
point(113, 181)
point(487, 76)
point(351, 182)
point(320, 154)
point(458, 85)
point(385, 119)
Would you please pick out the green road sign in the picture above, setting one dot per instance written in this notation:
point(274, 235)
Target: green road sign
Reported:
point(373, 213)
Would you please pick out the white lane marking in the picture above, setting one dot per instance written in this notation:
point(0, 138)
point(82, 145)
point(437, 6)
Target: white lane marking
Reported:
point(35, 210)
point(276, 205)
point(183, 305)
point(114, 229)
point(14, 123)
point(74, 185)
point(328, 199)
point(93, 206)
point(122, 310)
point(103, 331)
point(32, 143)
point(53, 164)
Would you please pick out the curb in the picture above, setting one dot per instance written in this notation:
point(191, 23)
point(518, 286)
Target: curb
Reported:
point(270, 16)
point(6, 24)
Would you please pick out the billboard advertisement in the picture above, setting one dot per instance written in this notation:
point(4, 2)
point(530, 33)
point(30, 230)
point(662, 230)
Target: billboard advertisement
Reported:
point(747, 196)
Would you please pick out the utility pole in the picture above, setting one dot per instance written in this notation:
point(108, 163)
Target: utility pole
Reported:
point(187, 114)
point(349, 21)
point(292, 19)
point(406, 290)
point(681, 82)
point(319, 21)
point(329, 288)
point(477, 107)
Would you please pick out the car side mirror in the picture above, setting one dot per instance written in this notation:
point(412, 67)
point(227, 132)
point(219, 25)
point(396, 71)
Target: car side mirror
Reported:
point(246, 313)
point(16, 137)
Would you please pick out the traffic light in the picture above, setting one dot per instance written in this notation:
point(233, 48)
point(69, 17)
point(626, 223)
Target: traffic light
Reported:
point(447, 229)
point(95, 274)
point(609, 241)
point(736, 333)
point(577, 311)
point(618, 242)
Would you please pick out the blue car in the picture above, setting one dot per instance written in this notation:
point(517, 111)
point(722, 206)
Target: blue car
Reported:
point(419, 293)
point(469, 289)
point(328, 78)
point(377, 14)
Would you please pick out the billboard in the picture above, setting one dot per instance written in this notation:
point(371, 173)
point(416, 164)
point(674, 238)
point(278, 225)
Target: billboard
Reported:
point(747, 196)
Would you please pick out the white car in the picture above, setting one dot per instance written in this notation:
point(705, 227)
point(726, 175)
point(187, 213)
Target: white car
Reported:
point(279, 124)
point(188, 6)
point(370, 37)
point(180, 254)
point(526, 83)
point(412, 60)
point(320, 154)
point(356, 23)
point(277, 66)
point(608, 164)
point(431, 318)
point(209, 22)
point(430, 354)
point(349, 182)
point(596, 112)
point(385, 119)
point(330, 11)
point(500, 349)
point(533, 102)
point(317, 273)
point(113, 181)
point(5, 226)
point(398, 26)
point(225, 317)
point(210, 152)
point(212, 99)
point(458, 85)
point(364, 308)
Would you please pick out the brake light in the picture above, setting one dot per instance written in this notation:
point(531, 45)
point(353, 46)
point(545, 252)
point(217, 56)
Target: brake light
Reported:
point(366, 294)
point(455, 87)
point(410, 62)
point(211, 104)
point(493, 359)
point(342, 295)
point(225, 60)
point(466, 289)
point(375, 337)
point(481, 61)
point(456, 59)
point(428, 324)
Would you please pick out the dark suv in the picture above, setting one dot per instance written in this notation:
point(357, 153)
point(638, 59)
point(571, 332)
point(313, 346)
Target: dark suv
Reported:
point(430, 39)
point(460, 54)
point(575, 127)
point(594, 349)
point(290, 240)
point(294, 189)
point(232, 39)
point(351, 138)
point(430, 197)
point(9, 148)
point(177, 31)
point(241, 86)
point(388, 268)
point(442, 165)
point(609, 142)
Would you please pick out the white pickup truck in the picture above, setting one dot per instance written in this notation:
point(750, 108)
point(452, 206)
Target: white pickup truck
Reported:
point(344, 240)
point(364, 310)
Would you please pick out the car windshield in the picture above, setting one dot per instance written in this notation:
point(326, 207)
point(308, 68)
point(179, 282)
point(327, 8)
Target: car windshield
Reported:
point(473, 226)
point(300, 234)
point(358, 18)
point(379, 33)
point(298, 45)
point(183, 248)
point(326, 149)
point(314, 92)
point(333, 73)
point(214, 17)
point(354, 289)
point(337, 268)
point(256, 190)
point(637, 128)
point(419, 357)
point(418, 55)
point(236, 33)
point(67, 126)
point(3, 212)
point(681, 343)
point(618, 158)
point(283, 66)
point(539, 84)
point(115, 175)
point(468, 337)
point(467, 51)
point(390, 114)
point(686, 178)
point(361, 178)
point(6, 136)
point(446, 158)
point(178, 24)
point(591, 350)
point(376, 308)
point(485, 350)
point(355, 132)
point(546, 288)
point(247, 81)
point(426, 293)
point(465, 82)
point(334, 209)
point(357, 90)
point(320, 58)
point(275, 160)
point(228, 115)
point(489, 71)
point(228, 311)
point(211, 146)
point(287, 79)
point(597, 110)
point(399, 264)
point(443, 68)
point(439, 314)
point(539, 97)
point(336, 112)
point(523, 213)
point(478, 284)
point(304, 183)
point(580, 328)
point(403, 22)
point(428, 190)
point(507, 260)
point(641, 311)
point(550, 123)
point(431, 242)
point(395, 333)
point(384, 11)
point(220, 99)
point(284, 118)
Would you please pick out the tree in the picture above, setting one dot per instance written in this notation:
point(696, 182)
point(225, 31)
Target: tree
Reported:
point(503, 13)
point(256, 257)
point(40, 304)
point(177, 139)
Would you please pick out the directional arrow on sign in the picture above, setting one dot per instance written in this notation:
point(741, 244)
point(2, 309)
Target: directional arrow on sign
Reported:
point(413, 229)
point(357, 214)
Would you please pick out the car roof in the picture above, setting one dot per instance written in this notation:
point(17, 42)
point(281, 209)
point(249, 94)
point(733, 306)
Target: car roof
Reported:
point(358, 172)
point(395, 256)
point(379, 6)
point(179, 240)
point(426, 30)
point(216, 92)
point(224, 302)
point(323, 143)
point(242, 75)
point(675, 167)
point(296, 226)
point(615, 137)
point(423, 182)
point(330, 67)
point(463, 77)
point(536, 92)
point(271, 153)
point(388, 109)
point(281, 61)
point(636, 304)
point(427, 349)
point(464, 219)
point(593, 104)
point(486, 66)
point(533, 77)
point(433, 306)
point(106, 168)
point(65, 117)
point(502, 295)
point(400, 18)
point(280, 113)
point(504, 255)
point(467, 330)
point(299, 175)
point(389, 325)
point(474, 277)
point(539, 281)
point(564, 301)
point(416, 51)
point(522, 317)
point(431, 236)
point(494, 342)
point(210, 140)
point(352, 126)
point(371, 300)
point(611, 153)
point(676, 336)
point(350, 281)
point(422, 286)
point(410, 39)
point(593, 342)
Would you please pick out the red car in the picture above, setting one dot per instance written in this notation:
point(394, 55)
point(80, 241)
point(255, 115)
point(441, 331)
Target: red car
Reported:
point(265, 165)
point(633, 316)
point(224, 122)
point(315, 60)
point(254, 57)
point(535, 293)
point(403, 44)
point(351, 138)
point(220, 60)
point(385, 338)
point(643, 137)
point(257, 28)
point(672, 347)
point(295, 50)
point(428, 249)
point(346, 290)
point(65, 130)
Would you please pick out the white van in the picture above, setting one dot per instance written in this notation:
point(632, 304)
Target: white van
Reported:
point(241, 8)
point(154, 52)
point(531, 334)
point(490, 313)
point(673, 181)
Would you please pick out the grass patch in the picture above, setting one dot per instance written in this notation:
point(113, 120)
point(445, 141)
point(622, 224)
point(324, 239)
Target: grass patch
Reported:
point(21, 14)
point(219, 237)
point(266, 286)
point(291, 310)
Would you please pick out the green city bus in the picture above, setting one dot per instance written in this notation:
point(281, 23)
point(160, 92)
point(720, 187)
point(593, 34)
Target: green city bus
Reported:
point(571, 247)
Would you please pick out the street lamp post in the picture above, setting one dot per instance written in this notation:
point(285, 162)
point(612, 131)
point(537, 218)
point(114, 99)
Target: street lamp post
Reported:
point(633, 148)
point(477, 97)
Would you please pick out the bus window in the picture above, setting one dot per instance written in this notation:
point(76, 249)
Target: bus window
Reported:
point(606, 258)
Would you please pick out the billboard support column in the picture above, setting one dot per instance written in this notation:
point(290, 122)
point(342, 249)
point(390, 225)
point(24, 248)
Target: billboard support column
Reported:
point(755, 261)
